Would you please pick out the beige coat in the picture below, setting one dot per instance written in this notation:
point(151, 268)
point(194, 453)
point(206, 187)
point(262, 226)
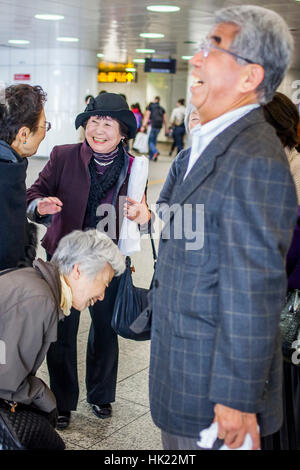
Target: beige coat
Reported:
point(294, 161)
point(29, 314)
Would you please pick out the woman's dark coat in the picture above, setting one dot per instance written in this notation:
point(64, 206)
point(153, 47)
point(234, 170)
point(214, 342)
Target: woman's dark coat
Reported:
point(66, 176)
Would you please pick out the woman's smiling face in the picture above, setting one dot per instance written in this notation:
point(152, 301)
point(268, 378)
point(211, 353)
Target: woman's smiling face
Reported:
point(102, 134)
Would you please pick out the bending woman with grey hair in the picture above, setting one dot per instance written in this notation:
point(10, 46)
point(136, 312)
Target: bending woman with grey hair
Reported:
point(33, 300)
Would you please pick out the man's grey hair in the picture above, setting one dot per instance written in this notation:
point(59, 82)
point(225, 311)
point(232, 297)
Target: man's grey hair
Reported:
point(91, 250)
point(264, 38)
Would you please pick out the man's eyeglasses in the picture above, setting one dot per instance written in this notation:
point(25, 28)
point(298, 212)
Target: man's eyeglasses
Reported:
point(207, 45)
point(47, 126)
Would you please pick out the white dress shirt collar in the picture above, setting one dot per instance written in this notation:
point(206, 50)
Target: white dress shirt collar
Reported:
point(202, 135)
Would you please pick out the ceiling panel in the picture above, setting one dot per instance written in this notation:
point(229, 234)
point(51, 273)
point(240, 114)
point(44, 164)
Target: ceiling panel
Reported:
point(112, 26)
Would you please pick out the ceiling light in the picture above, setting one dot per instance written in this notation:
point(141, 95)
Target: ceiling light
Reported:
point(152, 35)
point(186, 57)
point(145, 51)
point(130, 69)
point(18, 41)
point(163, 8)
point(66, 39)
point(49, 17)
point(139, 61)
point(100, 55)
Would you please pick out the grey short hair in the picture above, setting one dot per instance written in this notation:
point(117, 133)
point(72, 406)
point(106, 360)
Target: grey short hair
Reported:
point(91, 250)
point(190, 108)
point(265, 39)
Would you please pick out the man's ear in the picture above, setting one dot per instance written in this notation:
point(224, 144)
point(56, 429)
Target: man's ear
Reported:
point(252, 77)
point(75, 273)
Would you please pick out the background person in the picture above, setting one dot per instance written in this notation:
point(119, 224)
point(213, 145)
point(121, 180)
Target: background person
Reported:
point(23, 126)
point(177, 124)
point(191, 120)
point(33, 300)
point(136, 109)
point(156, 115)
point(81, 130)
point(215, 345)
point(283, 115)
point(76, 181)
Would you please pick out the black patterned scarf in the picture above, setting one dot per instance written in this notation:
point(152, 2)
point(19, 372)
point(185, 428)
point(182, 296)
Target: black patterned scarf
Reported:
point(100, 185)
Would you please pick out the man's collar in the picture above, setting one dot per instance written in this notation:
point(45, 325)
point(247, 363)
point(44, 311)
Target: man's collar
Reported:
point(230, 116)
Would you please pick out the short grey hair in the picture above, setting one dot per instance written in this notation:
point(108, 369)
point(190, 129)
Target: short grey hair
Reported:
point(91, 249)
point(190, 108)
point(265, 39)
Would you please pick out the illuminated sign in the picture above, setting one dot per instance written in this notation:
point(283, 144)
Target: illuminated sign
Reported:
point(119, 77)
point(22, 76)
point(115, 73)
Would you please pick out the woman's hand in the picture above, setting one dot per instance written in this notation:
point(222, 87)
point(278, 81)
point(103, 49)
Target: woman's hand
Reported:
point(137, 211)
point(49, 206)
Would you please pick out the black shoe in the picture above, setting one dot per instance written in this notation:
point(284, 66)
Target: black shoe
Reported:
point(63, 420)
point(102, 411)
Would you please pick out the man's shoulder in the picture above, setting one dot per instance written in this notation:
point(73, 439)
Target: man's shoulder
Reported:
point(252, 136)
point(260, 140)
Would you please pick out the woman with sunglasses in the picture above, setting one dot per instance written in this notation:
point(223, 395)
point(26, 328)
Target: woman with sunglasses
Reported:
point(23, 126)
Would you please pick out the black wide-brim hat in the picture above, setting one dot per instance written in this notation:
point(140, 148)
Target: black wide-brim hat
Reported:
point(109, 104)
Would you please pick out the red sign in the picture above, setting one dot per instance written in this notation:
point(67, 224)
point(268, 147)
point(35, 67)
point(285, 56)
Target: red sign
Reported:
point(22, 76)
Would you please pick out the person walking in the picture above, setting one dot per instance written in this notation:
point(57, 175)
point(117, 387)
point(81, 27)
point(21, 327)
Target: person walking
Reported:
point(283, 115)
point(220, 282)
point(177, 124)
point(156, 115)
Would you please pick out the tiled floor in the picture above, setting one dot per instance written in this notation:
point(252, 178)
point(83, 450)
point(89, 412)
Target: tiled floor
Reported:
point(131, 426)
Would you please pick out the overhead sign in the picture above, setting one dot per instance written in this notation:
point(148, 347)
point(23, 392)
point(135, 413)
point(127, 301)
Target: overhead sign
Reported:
point(116, 73)
point(22, 76)
point(119, 77)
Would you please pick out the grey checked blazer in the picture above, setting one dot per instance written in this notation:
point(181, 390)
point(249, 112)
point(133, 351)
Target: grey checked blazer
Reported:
point(215, 335)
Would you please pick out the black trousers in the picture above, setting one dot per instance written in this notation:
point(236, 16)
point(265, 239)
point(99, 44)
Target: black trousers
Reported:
point(178, 135)
point(101, 359)
point(288, 437)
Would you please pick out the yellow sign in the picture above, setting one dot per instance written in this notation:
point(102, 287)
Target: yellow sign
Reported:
point(115, 73)
point(118, 77)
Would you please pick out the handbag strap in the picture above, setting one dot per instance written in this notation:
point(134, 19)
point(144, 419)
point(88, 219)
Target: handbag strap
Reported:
point(153, 248)
point(296, 300)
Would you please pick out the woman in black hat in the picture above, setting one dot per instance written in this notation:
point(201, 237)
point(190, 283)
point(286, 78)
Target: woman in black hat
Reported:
point(78, 182)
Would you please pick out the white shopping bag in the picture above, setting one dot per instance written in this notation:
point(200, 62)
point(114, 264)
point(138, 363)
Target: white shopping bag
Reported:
point(141, 143)
point(130, 238)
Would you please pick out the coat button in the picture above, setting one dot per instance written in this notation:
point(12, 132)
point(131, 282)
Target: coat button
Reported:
point(156, 283)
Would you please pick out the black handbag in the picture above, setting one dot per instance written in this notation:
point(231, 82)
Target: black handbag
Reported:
point(23, 428)
point(131, 306)
point(290, 325)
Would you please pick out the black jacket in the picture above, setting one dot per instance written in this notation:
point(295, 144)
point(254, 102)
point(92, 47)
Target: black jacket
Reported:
point(17, 237)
